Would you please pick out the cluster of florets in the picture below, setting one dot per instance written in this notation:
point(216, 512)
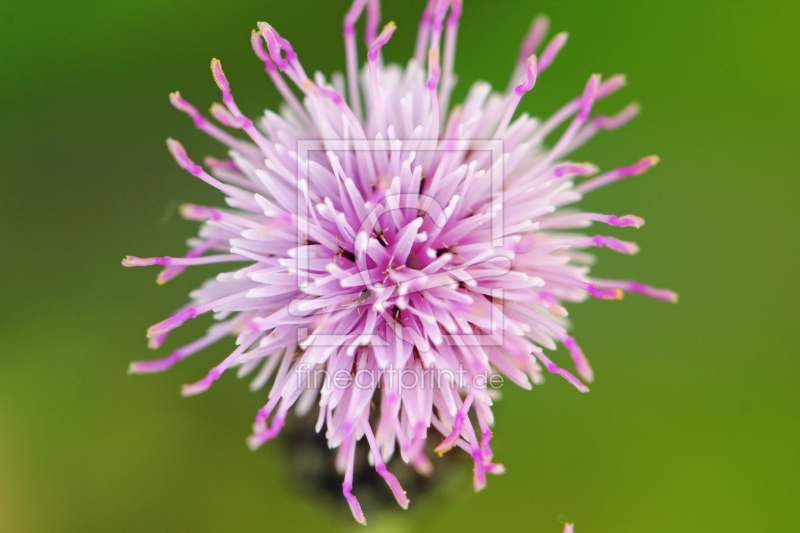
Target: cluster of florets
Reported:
point(400, 256)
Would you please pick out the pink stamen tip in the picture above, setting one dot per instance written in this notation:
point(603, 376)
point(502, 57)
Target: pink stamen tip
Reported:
point(220, 164)
point(355, 508)
point(535, 36)
point(456, 8)
point(373, 20)
point(638, 168)
point(618, 120)
point(133, 261)
point(172, 322)
point(261, 53)
point(427, 15)
point(199, 213)
point(352, 17)
point(606, 294)
point(168, 273)
point(623, 247)
point(273, 45)
point(441, 11)
point(551, 50)
point(224, 117)
point(201, 386)
point(150, 367)
point(350, 21)
point(397, 489)
point(495, 469)
point(627, 220)
point(618, 174)
point(422, 465)
point(530, 77)
point(614, 83)
point(579, 169)
point(257, 440)
point(580, 360)
point(260, 422)
point(182, 105)
point(222, 81)
point(653, 292)
point(479, 472)
point(588, 97)
point(566, 374)
point(381, 40)
point(179, 153)
point(447, 444)
point(155, 342)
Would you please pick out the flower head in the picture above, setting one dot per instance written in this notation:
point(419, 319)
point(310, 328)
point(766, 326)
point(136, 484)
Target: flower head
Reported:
point(400, 256)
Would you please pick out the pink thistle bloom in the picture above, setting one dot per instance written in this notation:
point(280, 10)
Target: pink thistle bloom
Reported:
point(398, 255)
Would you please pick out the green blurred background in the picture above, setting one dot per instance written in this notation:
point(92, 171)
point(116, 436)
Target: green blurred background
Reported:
point(692, 424)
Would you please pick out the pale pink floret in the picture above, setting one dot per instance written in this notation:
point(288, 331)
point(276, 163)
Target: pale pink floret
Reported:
point(389, 248)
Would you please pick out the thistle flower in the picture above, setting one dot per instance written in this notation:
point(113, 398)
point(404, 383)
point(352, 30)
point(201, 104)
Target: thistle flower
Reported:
point(415, 251)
